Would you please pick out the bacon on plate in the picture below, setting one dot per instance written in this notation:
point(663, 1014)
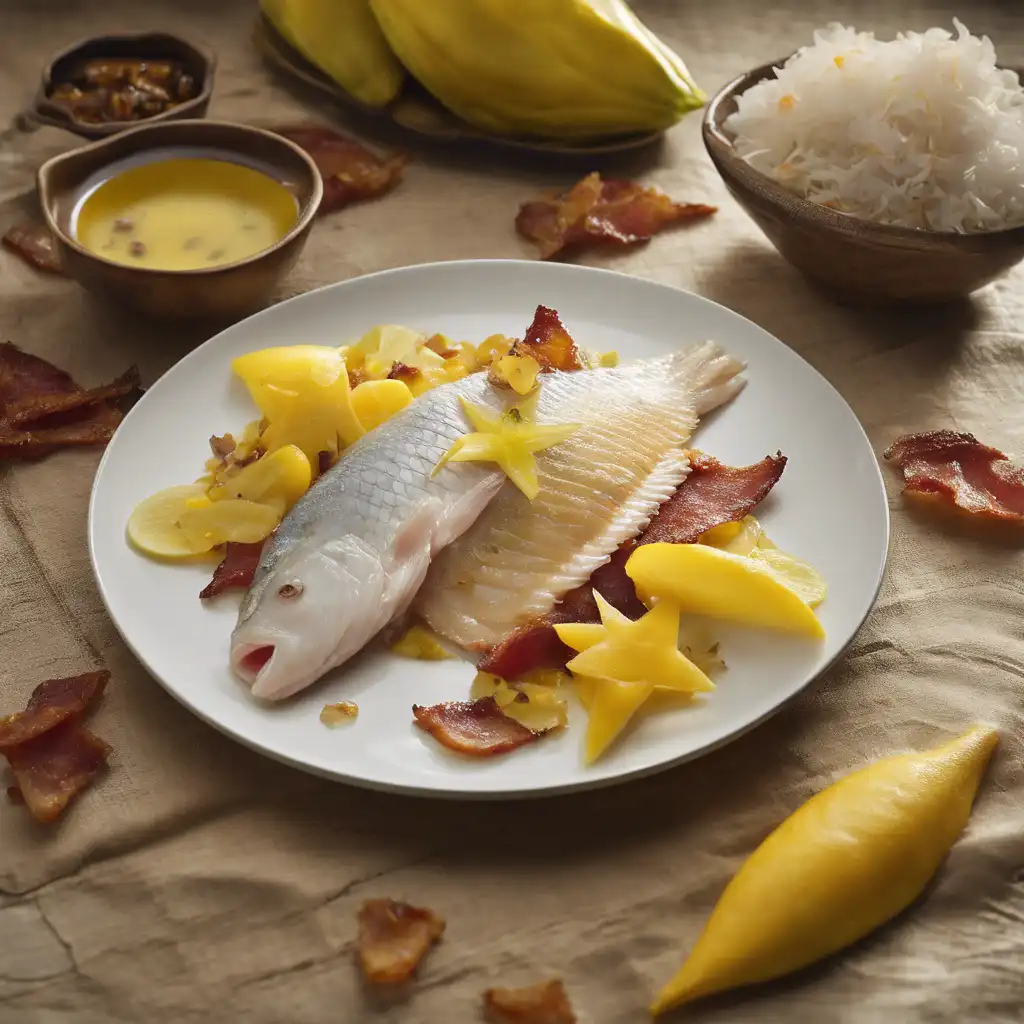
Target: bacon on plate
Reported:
point(543, 1003)
point(33, 244)
point(548, 341)
point(350, 171)
point(596, 212)
point(957, 468)
point(478, 728)
point(235, 570)
point(393, 939)
point(52, 755)
point(711, 494)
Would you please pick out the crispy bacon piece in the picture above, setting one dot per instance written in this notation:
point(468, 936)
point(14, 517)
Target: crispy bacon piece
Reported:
point(35, 246)
point(223, 446)
point(235, 570)
point(475, 727)
point(400, 371)
point(957, 468)
point(53, 757)
point(42, 409)
point(712, 494)
point(595, 212)
point(548, 341)
point(350, 171)
point(543, 1003)
point(393, 939)
point(51, 703)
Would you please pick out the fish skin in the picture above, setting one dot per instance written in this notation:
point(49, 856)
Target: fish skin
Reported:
point(598, 489)
point(359, 542)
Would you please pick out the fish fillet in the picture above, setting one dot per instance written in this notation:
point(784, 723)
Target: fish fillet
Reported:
point(597, 489)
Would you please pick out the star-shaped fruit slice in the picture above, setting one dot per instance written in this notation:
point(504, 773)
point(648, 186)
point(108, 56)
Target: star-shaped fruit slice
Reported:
point(510, 439)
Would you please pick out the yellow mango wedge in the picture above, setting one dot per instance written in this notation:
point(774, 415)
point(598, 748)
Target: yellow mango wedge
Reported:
point(278, 479)
point(848, 860)
point(208, 524)
point(709, 581)
point(376, 401)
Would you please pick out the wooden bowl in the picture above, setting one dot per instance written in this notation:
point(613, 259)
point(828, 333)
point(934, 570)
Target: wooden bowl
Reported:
point(198, 62)
point(851, 258)
point(228, 290)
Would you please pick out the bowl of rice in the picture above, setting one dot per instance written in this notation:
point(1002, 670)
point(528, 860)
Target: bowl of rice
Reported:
point(885, 171)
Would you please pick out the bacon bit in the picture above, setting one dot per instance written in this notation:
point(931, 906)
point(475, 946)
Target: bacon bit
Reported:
point(475, 727)
point(595, 212)
point(712, 494)
point(548, 341)
point(350, 171)
point(439, 343)
point(959, 469)
point(400, 371)
point(222, 447)
point(339, 714)
point(393, 939)
point(53, 757)
point(236, 569)
point(34, 244)
point(543, 1003)
point(324, 462)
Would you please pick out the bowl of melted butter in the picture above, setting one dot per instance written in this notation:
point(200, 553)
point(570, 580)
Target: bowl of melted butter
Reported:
point(185, 219)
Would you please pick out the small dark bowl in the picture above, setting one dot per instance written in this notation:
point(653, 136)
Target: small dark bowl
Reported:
point(197, 61)
point(851, 258)
point(228, 290)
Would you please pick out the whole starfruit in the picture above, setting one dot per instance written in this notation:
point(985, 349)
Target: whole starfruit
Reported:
point(563, 69)
point(342, 38)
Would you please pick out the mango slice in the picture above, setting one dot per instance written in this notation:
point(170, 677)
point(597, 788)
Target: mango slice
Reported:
point(519, 372)
point(154, 525)
point(709, 581)
point(278, 479)
point(375, 401)
point(235, 520)
point(848, 860)
point(534, 705)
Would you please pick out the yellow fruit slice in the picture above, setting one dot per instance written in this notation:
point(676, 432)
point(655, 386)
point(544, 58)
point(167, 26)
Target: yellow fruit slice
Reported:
point(418, 642)
point(739, 538)
point(278, 479)
point(611, 705)
point(709, 581)
point(274, 375)
point(519, 372)
point(208, 525)
point(375, 401)
point(155, 523)
point(848, 860)
point(803, 579)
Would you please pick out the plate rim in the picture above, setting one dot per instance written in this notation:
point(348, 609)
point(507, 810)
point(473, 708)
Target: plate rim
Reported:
point(504, 793)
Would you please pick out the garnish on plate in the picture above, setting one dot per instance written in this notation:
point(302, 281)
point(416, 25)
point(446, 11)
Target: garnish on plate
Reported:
point(546, 1002)
point(394, 937)
point(340, 713)
point(595, 213)
point(420, 643)
point(52, 755)
point(848, 860)
point(511, 440)
point(479, 728)
point(956, 469)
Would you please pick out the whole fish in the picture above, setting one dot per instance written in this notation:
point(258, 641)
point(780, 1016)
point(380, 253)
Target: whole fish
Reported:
point(352, 554)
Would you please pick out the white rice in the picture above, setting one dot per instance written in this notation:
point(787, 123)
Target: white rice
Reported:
point(923, 131)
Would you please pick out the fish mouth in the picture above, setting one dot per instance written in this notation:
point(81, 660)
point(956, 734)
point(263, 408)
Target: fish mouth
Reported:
point(250, 660)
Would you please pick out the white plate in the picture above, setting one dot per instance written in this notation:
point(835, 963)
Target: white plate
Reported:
point(828, 508)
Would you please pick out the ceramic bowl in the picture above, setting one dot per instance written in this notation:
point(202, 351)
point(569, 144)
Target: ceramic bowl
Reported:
point(854, 259)
point(228, 290)
point(198, 62)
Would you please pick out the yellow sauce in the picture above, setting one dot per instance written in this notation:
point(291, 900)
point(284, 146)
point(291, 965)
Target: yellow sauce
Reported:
point(185, 214)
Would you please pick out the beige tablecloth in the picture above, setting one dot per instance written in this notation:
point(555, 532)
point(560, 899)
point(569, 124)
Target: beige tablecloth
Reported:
point(199, 882)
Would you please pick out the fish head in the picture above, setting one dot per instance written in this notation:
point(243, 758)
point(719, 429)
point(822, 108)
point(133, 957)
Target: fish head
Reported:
point(313, 604)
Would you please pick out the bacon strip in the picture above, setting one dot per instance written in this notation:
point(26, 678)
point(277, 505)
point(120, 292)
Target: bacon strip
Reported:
point(478, 728)
point(393, 939)
point(959, 469)
point(712, 494)
point(236, 569)
point(53, 757)
point(595, 212)
point(548, 341)
point(543, 1003)
point(34, 245)
point(349, 170)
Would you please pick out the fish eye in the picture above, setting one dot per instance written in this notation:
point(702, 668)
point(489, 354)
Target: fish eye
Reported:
point(290, 590)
